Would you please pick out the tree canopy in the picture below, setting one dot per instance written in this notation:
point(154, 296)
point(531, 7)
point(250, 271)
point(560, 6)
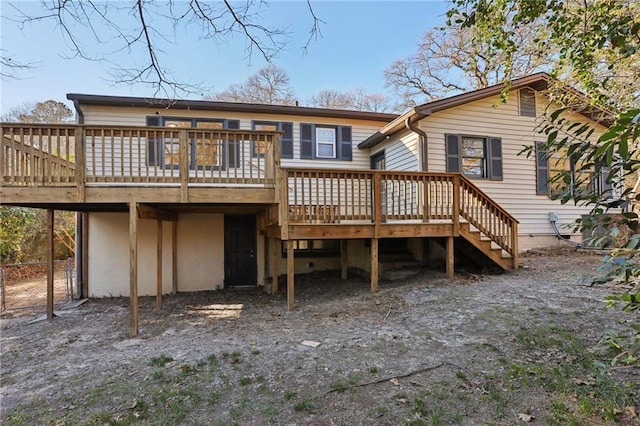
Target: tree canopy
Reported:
point(269, 85)
point(357, 99)
point(598, 52)
point(41, 112)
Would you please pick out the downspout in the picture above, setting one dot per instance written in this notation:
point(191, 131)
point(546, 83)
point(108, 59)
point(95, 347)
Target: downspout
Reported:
point(422, 143)
point(79, 227)
point(422, 154)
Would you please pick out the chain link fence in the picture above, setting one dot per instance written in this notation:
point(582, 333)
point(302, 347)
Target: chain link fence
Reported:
point(24, 285)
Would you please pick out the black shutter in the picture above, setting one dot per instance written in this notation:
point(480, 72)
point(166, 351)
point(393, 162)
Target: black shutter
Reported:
point(495, 158)
point(153, 145)
point(542, 169)
point(306, 140)
point(453, 153)
point(344, 143)
point(286, 146)
point(234, 148)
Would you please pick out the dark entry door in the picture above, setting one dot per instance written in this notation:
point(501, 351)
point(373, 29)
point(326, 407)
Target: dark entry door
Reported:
point(240, 263)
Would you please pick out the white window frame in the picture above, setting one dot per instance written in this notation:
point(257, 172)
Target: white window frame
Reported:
point(321, 141)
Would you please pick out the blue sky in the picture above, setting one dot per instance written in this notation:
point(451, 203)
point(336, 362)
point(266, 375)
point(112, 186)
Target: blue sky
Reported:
point(359, 40)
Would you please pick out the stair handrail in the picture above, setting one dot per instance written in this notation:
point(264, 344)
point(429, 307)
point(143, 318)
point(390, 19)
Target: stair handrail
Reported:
point(508, 242)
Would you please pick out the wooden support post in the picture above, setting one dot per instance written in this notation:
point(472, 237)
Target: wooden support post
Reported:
point(344, 260)
point(450, 258)
point(374, 265)
point(274, 253)
point(174, 257)
point(133, 266)
point(290, 274)
point(50, 263)
point(85, 255)
point(159, 267)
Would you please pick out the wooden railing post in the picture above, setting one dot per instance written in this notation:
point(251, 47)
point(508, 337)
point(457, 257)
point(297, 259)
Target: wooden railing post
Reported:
point(377, 202)
point(283, 202)
point(80, 162)
point(456, 206)
point(276, 153)
point(184, 165)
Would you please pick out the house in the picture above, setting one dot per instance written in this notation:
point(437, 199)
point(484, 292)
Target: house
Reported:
point(199, 195)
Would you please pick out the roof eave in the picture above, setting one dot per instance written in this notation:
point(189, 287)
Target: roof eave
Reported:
point(123, 101)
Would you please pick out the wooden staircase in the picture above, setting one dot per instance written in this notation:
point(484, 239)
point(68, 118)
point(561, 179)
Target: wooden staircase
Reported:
point(487, 246)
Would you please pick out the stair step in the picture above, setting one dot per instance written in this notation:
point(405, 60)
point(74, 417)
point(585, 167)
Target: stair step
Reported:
point(486, 245)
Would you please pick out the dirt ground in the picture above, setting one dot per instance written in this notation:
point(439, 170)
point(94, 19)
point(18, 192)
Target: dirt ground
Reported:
point(484, 349)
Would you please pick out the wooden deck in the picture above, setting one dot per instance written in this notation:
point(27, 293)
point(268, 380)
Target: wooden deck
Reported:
point(155, 173)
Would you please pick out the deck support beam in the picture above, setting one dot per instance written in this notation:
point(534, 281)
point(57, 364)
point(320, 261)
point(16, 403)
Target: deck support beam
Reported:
point(133, 265)
point(274, 251)
point(159, 265)
point(450, 259)
point(50, 269)
point(374, 265)
point(344, 260)
point(290, 274)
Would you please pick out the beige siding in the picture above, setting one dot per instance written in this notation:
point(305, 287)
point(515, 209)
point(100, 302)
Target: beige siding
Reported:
point(401, 152)
point(516, 192)
point(361, 129)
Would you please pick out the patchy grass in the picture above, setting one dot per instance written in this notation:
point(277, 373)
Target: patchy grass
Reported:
point(161, 361)
point(469, 353)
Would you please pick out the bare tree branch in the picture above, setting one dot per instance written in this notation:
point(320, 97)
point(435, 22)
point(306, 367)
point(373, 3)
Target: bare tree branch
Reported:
point(448, 62)
point(11, 68)
point(135, 26)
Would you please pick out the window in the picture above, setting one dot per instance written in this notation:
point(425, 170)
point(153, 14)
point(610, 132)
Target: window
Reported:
point(313, 248)
point(378, 161)
point(286, 142)
point(325, 142)
point(474, 156)
point(170, 155)
point(205, 152)
point(474, 162)
point(527, 102)
point(570, 179)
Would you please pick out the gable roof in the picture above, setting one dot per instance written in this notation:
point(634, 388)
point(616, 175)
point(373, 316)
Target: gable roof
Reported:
point(539, 82)
point(200, 105)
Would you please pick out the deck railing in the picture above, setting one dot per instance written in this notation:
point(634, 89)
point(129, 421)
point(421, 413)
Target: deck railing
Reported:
point(36, 155)
point(83, 155)
point(371, 196)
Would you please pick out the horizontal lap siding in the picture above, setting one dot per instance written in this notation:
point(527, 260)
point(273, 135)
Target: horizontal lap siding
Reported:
point(517, 191)
point(361, 129)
